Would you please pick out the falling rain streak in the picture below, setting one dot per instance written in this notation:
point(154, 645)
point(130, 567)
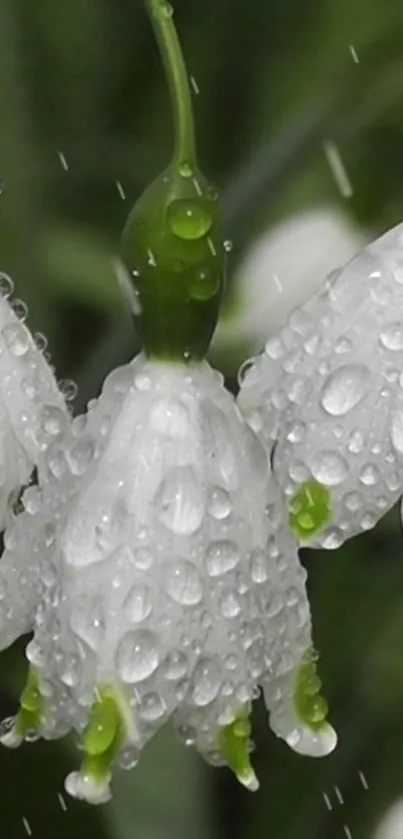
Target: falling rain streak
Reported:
point(63, 161)
point(347, 831)
point(121, 190)
point(339, 795)
point(194, 84)
point(27, 826)
point(277, 281)
point(363, 780)
point(62, 801)
point(327, 801)
point(353, 54)
point(338, 168)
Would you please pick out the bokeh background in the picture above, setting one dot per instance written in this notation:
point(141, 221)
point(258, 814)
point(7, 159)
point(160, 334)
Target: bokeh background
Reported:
point(287, 93)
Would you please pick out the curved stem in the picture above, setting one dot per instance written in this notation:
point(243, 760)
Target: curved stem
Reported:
point(161, 17)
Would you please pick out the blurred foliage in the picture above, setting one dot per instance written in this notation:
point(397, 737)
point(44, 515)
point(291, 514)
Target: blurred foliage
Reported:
point(84, 119)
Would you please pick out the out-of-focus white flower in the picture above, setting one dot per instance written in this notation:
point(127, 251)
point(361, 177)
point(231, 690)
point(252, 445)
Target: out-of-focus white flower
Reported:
point(391, 825)
point(327, 397)
point(32, 409)
point(281, 270)
point(162, 581)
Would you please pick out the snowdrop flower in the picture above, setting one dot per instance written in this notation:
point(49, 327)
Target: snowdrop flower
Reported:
point(327, 397)
point(281, 270)
point(391, 825)
point(165, 582)
point(32, 409)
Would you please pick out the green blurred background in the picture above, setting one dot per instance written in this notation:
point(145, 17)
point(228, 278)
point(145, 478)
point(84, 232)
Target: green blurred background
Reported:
point(84, 126)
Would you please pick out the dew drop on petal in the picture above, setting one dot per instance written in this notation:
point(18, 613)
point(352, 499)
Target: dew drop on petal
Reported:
point(221, 556)
point(137, 655)
point(138, 603)
point(188, 219)
point(391, 336)
point(175, 665)
point(16, 338)
point(183, 583)
point(344, 389)
point(206, 681)
point(219, 503)
point(329, 468)
point(397, 431)
point(180, 501)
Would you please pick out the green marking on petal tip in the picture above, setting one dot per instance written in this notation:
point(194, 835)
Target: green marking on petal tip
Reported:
point(29, 716)
point(104, 724)
point(103, 735)
point(309, 509)
point(310, 707)
point(233, 742)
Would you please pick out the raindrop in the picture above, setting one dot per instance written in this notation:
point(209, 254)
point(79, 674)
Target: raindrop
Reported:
point(138, 603)
point(188, 220)
point(185, 169)
point(329, 468)
point(344, 389)
point(219, 503)
point(16, 338)
point(175, 665)
point(68, 388)
point(183, 583)
point(221, 557)
point(228, 245)
point(180, 502)
point(19, 308)
point(137, 655)
point(392, 336)
point(6, 285)
point(206, 681)
point(205, 284)
point(369, 474)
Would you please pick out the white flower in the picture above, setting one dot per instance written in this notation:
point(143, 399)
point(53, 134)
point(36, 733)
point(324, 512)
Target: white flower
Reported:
point(32, 409)
point(391, 824)
point(281, 270)
point(162, 581)
point(327, 397)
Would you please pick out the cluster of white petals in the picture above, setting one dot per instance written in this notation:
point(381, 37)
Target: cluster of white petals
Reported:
point(32, 408)
point(326, 395)
point(160, 565)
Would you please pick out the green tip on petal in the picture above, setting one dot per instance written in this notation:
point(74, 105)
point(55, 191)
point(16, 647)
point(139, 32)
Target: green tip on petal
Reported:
point(29, 717)
point(104, 724)
point(310, 706)
point(309, 509)
point(234, 742)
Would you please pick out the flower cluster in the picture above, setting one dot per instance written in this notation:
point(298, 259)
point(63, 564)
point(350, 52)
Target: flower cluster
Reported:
point(155, 558)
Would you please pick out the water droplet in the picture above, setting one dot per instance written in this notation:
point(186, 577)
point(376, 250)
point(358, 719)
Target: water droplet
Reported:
point(329, 468)
point(180, 501)
point(188, 219)
point(206, 681)
point(344, 389)
point(152, 707)
point(138, 603)
point(80, 456)
point(19, 308)
point(205, 284)
point(53, 420)
point(369, 474)
point(258, 566)
point(333, 538)
point(68, 388)
point(175, 665)
point(219, 503)
point(353, 501)
point(137, 655)
point(185, 169)
point(167, 9)
point(41, 342)
point(16, 338)
point(183, 583)
point(228, 245)
point(143, 559)
point(397, 431)
point(6, 285)
point(229, 604)
point(222, 556)
point(392, 336)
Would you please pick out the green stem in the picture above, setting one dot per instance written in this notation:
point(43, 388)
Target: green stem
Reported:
point(161, 16)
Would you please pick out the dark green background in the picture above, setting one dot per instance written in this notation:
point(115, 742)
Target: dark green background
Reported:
point(276, 79)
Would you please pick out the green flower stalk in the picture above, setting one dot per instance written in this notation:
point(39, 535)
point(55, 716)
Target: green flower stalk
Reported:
point(172, 244)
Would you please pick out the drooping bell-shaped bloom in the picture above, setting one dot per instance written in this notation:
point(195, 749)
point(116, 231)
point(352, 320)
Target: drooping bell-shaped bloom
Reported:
point(32, 408)
point(326, 396)
point(162, 581)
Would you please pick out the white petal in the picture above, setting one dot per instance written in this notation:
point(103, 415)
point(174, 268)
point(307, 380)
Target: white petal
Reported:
point(329, 391)
point(281, 270)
